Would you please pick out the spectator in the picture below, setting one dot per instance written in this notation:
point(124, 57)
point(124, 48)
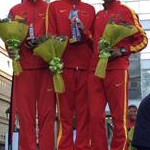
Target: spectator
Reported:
point(141, 137)
point(132, 113)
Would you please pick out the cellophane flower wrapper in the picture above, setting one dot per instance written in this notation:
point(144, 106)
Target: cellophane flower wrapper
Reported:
point(114, 32)
point(51, 52)
point(13, 32)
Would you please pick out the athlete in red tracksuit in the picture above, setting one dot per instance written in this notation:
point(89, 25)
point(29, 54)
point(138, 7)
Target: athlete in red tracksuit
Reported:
point(76, 63)
point(34, 87)
point(114, 88)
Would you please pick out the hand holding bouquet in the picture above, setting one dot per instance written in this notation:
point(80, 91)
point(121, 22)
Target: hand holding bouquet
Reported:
point(115, 31)
point(51, 51)
point(13, 32)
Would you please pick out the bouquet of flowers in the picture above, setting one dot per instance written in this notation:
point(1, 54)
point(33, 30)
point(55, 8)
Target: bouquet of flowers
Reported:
point(13, 32)
point(115, 31)
point(51, 51)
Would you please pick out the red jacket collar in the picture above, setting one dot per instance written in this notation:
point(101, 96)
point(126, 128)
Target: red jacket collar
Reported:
point(70, 1)
point(110, 5)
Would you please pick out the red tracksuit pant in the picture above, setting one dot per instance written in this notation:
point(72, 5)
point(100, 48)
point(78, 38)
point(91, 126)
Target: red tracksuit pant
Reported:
point(35, 92)
point(114, 91)
point(74, 101)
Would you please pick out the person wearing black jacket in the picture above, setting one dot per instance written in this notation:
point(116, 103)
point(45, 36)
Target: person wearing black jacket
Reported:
point(141, 137)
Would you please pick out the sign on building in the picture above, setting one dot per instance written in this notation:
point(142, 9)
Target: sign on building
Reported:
point(135, 77)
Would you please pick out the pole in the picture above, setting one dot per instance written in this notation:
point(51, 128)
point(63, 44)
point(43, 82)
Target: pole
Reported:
point(10, 118)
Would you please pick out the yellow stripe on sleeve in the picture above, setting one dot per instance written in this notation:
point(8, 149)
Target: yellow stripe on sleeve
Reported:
point(141, 45)
point(46, 20)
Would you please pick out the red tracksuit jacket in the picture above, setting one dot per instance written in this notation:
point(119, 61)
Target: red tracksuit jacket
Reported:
point(35, 15)
point(132, 44)
point(75, 55)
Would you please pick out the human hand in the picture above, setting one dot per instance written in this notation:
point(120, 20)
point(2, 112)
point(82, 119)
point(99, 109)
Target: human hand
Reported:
point(60, 38)
point(13, 54)
point(30, 43)
point(81, 27)
point(115, 53)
